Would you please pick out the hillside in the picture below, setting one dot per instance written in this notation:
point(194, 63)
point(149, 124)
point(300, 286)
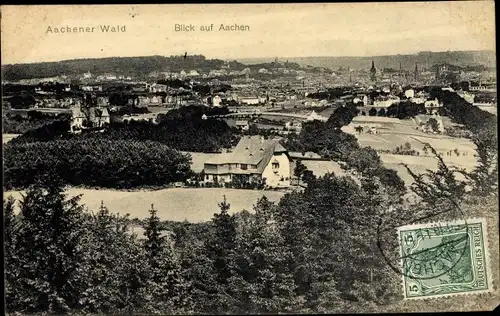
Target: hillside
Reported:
point(116, 65)
point(424, 59)
point(147, 64)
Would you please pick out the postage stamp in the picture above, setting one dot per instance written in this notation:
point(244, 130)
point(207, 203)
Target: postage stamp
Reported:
point(443, 259)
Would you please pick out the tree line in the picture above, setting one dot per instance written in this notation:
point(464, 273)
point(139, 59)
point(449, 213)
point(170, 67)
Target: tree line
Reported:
point(94, 162)
point(483, 133)
point(328, 140)
point(118, 65)
point(313, 252)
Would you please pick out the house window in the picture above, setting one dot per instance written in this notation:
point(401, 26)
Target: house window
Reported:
point(207, 177)
point(244, 166)
point(276, 165)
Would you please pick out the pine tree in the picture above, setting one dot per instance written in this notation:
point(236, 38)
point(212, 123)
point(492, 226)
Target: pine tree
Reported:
point(169, 287)
point(220, 251)
point(154, 241)
point(51, 230)
point(485, 174)
point(11, 268)
point(273, 283)
point(110, 246)
point(440, 189)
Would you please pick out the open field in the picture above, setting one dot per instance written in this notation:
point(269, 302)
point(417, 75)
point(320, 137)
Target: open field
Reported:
point(392, 133)
point(7, 137)
point(321, 167)
point(492, 110)
point(159, 109)
point(419, 164)
point(176, 204)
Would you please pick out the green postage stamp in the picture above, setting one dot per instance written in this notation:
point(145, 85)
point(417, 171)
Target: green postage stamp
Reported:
point(443, 259)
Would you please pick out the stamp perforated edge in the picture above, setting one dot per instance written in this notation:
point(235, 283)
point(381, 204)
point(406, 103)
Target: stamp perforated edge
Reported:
point(486, 245)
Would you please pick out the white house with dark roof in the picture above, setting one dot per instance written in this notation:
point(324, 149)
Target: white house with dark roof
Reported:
point(254, 159)
point(242, 125)
point(82, 118)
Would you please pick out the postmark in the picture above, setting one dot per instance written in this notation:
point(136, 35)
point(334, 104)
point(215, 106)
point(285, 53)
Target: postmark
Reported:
point(443, 259)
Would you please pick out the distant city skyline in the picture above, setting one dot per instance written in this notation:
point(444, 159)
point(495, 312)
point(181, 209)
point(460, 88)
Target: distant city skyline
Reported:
point(275, 30)
point(273, 58)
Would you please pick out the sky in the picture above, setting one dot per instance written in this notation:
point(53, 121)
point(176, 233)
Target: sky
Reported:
point(281, 30)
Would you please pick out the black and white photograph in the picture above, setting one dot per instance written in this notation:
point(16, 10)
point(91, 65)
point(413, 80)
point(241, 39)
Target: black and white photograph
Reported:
point(231, 159)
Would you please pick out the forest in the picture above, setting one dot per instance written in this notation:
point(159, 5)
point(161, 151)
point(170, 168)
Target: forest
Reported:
point(124, 156)
point(313, 252)
point(119, 65)
point(120, 164)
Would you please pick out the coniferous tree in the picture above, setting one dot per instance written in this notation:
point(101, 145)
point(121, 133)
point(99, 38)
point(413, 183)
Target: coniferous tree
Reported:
point(169, 289)
point(220, 250)
point(485, 175)
point(110, 245)
point(51, 233)
point(11, 269)
point(273, 283)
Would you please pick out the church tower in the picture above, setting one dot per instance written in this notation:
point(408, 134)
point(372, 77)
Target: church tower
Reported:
point(373, 72)
point(416, 72)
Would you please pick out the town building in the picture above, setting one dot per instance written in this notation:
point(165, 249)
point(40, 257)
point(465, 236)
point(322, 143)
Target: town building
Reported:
point(432, 106)
point(294, 125)
point(251, 100)
point(410, 93)
point(253, 160)
point(216, 101)
point(88, 117)
point(315, 116)
point(385, 101)
point(242, 125)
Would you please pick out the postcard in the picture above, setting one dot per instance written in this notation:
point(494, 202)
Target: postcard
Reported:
point(308, 158)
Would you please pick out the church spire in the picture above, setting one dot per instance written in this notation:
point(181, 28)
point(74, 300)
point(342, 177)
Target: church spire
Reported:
point(373, 71)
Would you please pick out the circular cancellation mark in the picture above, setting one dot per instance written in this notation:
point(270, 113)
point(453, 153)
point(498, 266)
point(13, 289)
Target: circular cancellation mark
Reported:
point(424, 251)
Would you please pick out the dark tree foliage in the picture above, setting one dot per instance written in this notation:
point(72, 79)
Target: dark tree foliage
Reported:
point(315, 251)
point(48, 252)
point(125, 65)
point(342, 116)
point(432, 122)
point(182, 129)
point(17, 124)
point(483, 127)
point(224, 242)
point(299, 169)
point(23, 100)
point(94, 162)
point(405, 110)
point(53, 130)
point(166, 284)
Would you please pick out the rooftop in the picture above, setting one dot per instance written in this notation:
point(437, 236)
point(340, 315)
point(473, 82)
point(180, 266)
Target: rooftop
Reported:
point(253, 150)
